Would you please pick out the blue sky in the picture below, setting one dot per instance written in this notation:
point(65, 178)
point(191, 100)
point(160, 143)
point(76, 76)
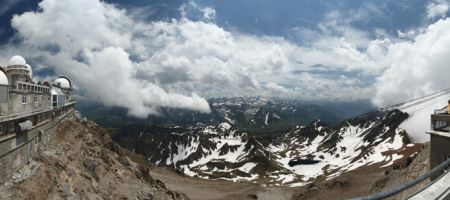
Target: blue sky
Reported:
point(178, 53)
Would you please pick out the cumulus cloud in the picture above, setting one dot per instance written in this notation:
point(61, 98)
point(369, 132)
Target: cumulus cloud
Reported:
point(415, 67)
point(405, 67)
point(338, 45)
point(91, 42)
point(192, 10)
point(437, 9)
point(120, 60)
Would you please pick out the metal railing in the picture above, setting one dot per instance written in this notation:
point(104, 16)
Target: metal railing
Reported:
point(383, 195)
point(21, 86)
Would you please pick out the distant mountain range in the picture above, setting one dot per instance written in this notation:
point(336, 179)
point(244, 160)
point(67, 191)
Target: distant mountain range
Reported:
point(253, 114)
point(296, 157)
point(269, 141)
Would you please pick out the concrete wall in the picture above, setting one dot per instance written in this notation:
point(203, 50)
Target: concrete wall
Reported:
point(17, 149)
point(3, 93)
point(3, 108)
point(440, 151)
point(15, 104)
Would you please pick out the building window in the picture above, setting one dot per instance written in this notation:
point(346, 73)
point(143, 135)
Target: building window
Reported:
point(1, 129)
point(55, 100)
point(35, 99)
point(24, 99)
point(11, 126)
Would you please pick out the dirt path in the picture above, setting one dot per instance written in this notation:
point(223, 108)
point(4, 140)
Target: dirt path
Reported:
point(200, 189)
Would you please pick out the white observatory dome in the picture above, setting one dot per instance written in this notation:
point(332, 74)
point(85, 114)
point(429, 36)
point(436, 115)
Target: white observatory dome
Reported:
point(63, 83)
point(3, 78)
point(17, 60)
point(30, 71)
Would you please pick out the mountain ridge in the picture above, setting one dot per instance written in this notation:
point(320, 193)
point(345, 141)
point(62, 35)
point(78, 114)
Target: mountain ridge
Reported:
point(224, 152)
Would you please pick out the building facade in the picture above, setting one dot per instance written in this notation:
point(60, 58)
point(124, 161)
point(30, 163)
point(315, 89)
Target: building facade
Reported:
point(29, 112)
point(440, 138)
point(24, 102)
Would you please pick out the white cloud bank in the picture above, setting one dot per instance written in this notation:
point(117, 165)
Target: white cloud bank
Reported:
point(417, 67)
point(92, 41)
point(119, 60)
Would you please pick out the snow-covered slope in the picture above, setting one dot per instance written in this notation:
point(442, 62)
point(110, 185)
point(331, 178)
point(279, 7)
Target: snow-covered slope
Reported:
point(295, 158)
point(354, 143)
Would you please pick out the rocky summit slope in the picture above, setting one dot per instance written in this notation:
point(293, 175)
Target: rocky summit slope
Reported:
point(300, 156)
point(81, 162)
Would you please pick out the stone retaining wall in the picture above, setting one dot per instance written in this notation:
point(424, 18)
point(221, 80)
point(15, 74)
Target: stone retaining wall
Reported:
point(17, 149)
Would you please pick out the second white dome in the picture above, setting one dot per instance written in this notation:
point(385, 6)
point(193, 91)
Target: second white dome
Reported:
point(63, 83)
point(30, 71)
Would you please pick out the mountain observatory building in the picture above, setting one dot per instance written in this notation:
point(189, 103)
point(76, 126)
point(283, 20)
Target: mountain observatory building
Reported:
point(29, 111)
